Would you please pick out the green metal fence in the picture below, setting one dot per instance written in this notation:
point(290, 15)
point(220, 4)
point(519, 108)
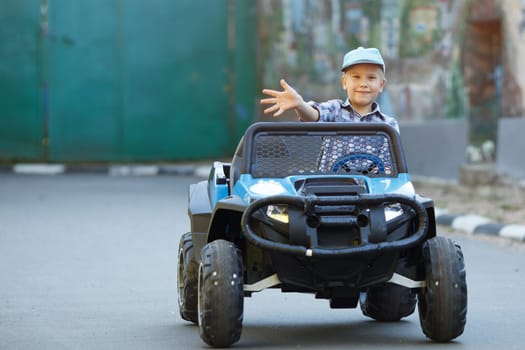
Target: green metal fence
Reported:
point(21, 117)
point(125, 80)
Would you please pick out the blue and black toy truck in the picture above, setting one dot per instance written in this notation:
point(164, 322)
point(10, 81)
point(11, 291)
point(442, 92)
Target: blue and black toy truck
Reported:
point(320, 208)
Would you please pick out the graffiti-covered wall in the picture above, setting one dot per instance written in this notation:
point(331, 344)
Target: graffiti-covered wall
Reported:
point(446, 59)
point(513, 12)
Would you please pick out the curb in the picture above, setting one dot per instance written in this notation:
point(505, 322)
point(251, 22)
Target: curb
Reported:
point(111, 170)
point(476, 224)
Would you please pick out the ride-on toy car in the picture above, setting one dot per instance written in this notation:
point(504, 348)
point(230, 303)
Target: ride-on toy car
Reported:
point(321, 208)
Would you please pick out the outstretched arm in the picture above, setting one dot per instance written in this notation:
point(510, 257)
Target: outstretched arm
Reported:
point(289, 99)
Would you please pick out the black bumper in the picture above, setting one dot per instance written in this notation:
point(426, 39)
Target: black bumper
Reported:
point(369, 224)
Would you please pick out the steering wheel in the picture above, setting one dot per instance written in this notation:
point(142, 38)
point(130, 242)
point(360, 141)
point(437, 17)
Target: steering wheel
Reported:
point(362, 163)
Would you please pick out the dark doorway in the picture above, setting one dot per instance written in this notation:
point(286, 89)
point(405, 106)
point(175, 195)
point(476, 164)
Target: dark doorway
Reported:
point(483, 76)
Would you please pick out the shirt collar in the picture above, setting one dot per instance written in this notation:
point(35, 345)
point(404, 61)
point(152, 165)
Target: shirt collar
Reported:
point(375, 109)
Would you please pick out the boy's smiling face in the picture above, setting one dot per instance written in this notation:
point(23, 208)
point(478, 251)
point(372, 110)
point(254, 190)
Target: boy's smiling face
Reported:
point(363, 82)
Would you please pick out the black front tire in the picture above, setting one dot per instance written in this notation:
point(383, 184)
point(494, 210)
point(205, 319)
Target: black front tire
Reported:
point(442, 303)
point(187, 279)
point(221, 294)
point(388, 303)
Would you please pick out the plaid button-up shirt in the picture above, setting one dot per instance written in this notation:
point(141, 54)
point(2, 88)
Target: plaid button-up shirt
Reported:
point(342, 111)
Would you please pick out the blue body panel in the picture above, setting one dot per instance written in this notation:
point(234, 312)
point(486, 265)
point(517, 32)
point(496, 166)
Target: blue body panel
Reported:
point(217, 192)
point(218, 187)
point(249, 188)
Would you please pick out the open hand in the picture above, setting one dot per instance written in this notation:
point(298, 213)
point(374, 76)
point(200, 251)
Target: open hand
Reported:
point(281, 100)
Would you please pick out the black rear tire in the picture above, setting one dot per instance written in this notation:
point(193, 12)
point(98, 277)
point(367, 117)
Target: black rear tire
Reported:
point(442, 303)
point(388, 302)
point(187, 279)
point(221, 293)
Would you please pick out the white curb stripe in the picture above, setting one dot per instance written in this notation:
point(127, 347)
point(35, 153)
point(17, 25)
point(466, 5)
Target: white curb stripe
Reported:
point(513, 231)
point(440, 211)
point(202, 171)
point(39, 169)
point(133, 170)
point(469, 222)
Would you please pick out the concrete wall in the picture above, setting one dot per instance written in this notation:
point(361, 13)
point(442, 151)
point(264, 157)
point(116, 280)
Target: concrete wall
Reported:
point(435, 148)
point(510, 152)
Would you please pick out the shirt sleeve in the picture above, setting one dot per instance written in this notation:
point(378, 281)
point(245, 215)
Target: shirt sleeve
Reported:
point(327, 110)
point(392, 122)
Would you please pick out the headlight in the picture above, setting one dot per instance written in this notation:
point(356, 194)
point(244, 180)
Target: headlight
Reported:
point(393, 211)
point(278, 213)
point(267, 188)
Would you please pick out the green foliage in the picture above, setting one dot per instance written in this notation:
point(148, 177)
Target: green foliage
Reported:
point(456, 97)
point(372, 10)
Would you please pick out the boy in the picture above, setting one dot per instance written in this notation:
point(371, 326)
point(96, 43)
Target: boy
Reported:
point(363, 79)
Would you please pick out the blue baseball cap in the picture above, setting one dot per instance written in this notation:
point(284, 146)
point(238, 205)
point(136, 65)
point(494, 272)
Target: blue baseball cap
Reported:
point(362, 55)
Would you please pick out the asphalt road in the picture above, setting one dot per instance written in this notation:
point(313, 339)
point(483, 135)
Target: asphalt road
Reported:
point(89, 262)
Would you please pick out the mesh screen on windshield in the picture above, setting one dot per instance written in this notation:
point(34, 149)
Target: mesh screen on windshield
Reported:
point(285, 155)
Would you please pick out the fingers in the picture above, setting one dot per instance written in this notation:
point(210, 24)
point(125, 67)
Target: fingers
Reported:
point(278, 110)
point(276, 93)
point(266, 101)
point(278, 113)
point(270, 92)
point(271, 109)
point(287, 88)
point(271, 100)
point(280, 99)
